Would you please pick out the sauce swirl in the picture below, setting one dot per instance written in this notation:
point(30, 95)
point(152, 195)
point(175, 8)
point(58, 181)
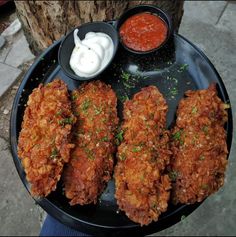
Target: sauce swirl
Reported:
point(92, 54)
point(143, 32)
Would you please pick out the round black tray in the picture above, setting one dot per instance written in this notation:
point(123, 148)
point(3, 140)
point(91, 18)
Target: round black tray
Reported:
point(179, 66)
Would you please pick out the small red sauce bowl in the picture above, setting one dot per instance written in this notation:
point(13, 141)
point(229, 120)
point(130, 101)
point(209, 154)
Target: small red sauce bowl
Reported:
point(145, 9)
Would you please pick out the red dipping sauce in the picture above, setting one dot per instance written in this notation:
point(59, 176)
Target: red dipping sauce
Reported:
point(143, 32)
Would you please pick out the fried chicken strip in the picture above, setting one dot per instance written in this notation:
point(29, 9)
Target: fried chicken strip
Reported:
point(44, 141)
point(199, 146)
point(91, 163)
point(142, 188)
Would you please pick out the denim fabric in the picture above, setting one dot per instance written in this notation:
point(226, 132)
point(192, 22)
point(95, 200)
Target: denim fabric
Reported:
point(52, 227)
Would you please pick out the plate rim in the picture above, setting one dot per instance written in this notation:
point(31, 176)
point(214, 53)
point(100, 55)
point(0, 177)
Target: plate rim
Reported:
point(46, 204)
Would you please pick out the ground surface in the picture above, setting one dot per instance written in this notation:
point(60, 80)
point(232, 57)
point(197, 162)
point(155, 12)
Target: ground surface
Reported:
point(211, 25)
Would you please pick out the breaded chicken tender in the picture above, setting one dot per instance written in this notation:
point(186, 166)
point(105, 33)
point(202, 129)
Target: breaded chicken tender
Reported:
point(44, 141)
point(91, 163)
point(142, 188)
point(199, 146)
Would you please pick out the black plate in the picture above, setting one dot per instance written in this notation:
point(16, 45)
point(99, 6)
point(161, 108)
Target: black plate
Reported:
point(179, 66)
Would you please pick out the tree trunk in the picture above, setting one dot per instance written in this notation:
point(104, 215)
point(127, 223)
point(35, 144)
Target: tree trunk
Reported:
point(46, 21)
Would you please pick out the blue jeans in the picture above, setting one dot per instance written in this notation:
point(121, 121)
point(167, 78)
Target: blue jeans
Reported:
point(52, 227)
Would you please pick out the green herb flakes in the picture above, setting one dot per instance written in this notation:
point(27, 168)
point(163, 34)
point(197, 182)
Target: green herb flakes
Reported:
point(173, 91)
point(205, 129)
point(177, 136)
point(194, 110)
point(137, 149)
point(201, 157)
point(54, 153)
point(105, 139)
point(104, 120)
point(85, 105)
point(58, 113)
point(173, 175)
point(123, 98)
point(183, 67)
point(119, 137)
point(74, 97)
point(65, 121)
point(97, 110)
point(125, 76)
point(128, 85)
point(89, 153)
point(122, 156)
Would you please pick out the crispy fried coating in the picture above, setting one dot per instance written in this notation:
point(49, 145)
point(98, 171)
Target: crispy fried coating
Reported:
point(199, 146)
point(44, 141)
point(91, 163)
point(142, 188)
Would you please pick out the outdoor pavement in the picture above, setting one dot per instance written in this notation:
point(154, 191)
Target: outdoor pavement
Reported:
point(211, 25)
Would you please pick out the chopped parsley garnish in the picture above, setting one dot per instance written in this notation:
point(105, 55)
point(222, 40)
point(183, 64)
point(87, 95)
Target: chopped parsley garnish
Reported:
point(177, 136)
point(74, 97)
point(175, 80)
point(194, 110)
point(128, 85)
point(59, 113)
point(122, 156)
point(91, 118)
point(173, 91)
point(119, 137)
point(89, 154)
point(123, 98)
point(195, 138)
point(173, 175)
point(183, 67)
point(201, 157)
point(85, 105)
point(172, 79)
point(105, 139)
point(205, 129)
point(98, 110)
point(66, 121)
point(104, 120)
point(137, 149)
point(54, 153)
point(125, 76)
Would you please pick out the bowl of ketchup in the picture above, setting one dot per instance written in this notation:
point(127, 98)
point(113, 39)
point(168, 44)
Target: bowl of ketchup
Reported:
point(144, 29)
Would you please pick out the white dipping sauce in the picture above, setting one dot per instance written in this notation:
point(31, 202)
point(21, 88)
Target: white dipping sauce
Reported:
point(91, 54)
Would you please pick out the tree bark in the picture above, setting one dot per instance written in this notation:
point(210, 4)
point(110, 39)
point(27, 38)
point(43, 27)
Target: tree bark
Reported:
point(46, 21)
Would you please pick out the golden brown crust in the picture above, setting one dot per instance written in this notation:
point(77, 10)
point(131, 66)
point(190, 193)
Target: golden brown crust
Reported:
point(91, 164)
point(44, 141)
point(199, 146)
point(142, 188)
